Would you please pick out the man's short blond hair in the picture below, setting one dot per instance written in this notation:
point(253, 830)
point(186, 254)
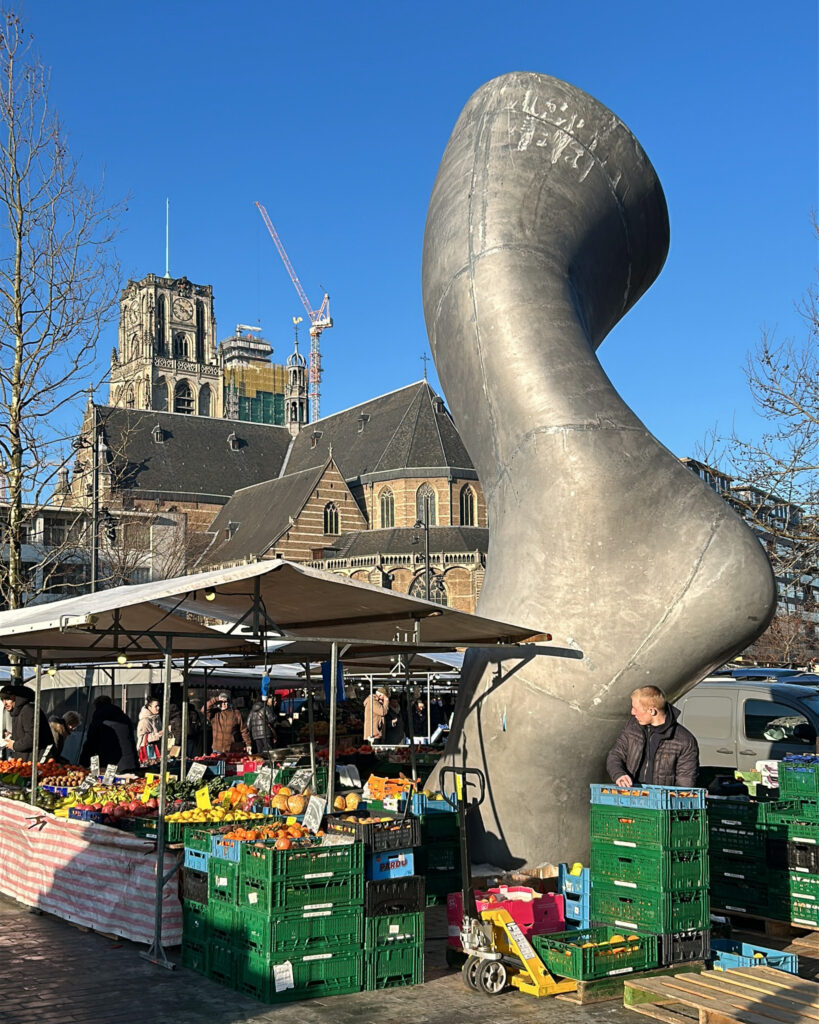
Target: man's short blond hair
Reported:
point(650, 697)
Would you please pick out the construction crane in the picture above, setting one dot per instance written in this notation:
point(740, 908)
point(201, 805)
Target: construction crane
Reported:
point(319, 320)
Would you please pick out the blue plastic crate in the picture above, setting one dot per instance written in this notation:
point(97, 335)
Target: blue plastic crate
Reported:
point(573, 885)
point(731, 953)
point(196, 859)
point(657, 798)
point(576, 909)
point(424, 805)
point(226, 849)
point(389, 864)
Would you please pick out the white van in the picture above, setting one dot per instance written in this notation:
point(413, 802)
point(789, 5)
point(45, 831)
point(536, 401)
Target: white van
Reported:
point(739, 722)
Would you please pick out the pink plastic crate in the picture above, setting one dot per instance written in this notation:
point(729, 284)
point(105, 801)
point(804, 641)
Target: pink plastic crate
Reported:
point(540, 916)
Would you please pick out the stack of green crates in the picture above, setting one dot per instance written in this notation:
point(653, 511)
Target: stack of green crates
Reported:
point(438, 858)
point(649, 866)
point(737, 843)
point(280, 925)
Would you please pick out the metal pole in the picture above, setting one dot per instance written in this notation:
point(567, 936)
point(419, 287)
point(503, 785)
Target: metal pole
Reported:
point(95, 507)
point(413, 762)
point(311, 727)
point(183, 753)
point(35, 751)
point(429, 712)
point(426, 548)
point(331, 740)
point(155, 953)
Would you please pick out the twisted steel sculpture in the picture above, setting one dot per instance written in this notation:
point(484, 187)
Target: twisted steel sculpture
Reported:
point(546, 224)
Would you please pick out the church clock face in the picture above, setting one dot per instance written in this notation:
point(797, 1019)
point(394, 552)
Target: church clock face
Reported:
point(133, 312)
point(182, 309)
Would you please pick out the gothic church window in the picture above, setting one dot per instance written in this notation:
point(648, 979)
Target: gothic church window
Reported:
point(204, 400)
point(200, 335)
point(467, 506)
point(387, 508)
point(159, 341)
point(159, 396)
point(330, 518)
point(129, 398)
point(425, 505)
point(180, 345)
point(437, 588)
point(183, 398)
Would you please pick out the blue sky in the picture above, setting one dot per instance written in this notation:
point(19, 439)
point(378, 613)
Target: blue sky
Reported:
point(335, 117)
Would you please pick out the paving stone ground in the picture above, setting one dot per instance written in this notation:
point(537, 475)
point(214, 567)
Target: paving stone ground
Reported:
point(53, 973)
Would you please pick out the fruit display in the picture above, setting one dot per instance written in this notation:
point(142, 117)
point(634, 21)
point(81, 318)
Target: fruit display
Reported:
point(286, 836)
point(349, 802)
point(49, 770)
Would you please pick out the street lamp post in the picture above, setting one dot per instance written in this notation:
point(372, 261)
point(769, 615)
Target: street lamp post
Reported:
point(424, 524)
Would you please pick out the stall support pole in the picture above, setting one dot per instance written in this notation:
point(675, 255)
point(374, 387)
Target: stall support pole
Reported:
point(155, 953)
point(429, 712)
point(413, 763)
point(331, 740)
point(184, 740)
point(35, 752)
point(311, 725)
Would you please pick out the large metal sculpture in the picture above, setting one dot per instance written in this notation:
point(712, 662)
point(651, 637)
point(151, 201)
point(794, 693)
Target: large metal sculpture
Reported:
point(546, 224)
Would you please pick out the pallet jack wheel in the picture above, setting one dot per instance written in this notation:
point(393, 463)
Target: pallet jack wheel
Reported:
point(491, 977)
point(469, 972)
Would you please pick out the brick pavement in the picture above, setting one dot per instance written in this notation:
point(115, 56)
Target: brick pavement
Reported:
point(53, 973)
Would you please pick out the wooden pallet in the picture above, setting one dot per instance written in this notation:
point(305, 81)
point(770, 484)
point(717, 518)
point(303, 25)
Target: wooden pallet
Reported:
point(742, 995)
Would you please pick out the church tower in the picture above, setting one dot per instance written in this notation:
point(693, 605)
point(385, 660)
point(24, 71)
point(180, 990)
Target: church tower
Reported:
point(166, 358)
point(296, 402)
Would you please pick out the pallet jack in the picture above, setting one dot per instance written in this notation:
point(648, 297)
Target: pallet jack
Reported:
point(498, 954)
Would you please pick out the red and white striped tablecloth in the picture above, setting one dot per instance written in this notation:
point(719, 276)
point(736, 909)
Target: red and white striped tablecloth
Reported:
point(85, 873)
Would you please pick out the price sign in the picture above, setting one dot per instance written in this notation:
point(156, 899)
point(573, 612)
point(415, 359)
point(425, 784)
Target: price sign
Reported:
point(110, 773)
point(283, 976)
point(264, 780)
point(203, 799)
point(337, 839)
point(348, 773)
point(146, 793)
point(314, 813)
point(46, 752)
point(95, 765)
point(196, 772)
point(301, 778)
point(87, 783)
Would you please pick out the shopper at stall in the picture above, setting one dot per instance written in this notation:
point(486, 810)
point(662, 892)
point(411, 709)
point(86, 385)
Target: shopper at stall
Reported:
point(110, 737)
point(395, 731)
point(194, 741)
point(61, 728)
point(230, 735)
point(21, 741)
point(653, 749)
point(261, 724)
point(419, 718)
point(375, 711)
point(149, 731)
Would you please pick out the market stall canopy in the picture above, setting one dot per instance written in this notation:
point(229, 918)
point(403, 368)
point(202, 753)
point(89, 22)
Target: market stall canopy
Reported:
point(279, 597)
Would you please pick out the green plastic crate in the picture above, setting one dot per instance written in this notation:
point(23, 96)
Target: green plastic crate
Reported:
point(787, 812)
point(393, 929)
point(644, 827)
point(283, 896)
point(223, 880)
point(737, 843)
point(438, 826)
point(648, 868)
point(804, 912)
point(740, 895)
point(333, 928)
point(439, 857)
point(564, 953)
point(394, 966)
point(725, 813)
point(222, 963)
point(194, 923)
point(796, 884)
point(222, 921)
point(195, 956)
point(327, 973)
point(263, 861)
point(798, 781)
point(736, 871)
point(662, 913)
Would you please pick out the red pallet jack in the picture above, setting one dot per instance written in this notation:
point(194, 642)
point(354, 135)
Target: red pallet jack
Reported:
point(498, 954)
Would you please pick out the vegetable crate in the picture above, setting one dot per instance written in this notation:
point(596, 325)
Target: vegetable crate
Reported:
point(787, 812)
point(222, 966)
point(733, 812)
point(662, 829)
point(799, 884)
point(393, 929)
point(282, 895)
point(440, 857)
point(573, 885)
point(330, 928)
point(781, 853)
point(389, 864)
point(657, 798)
point(394, 965)
point(576, 910)
point(394, 896)
point(729, 894)
point(263, 861)
point(195, 956)
point(194, 886)
point(396, 833)
point(223, 880)
point(723, 842)
point(194, 923)
point(664, 870)
point(222, 921)
point(799, 777)
point(731, 953)
point(587, 953)
point(309, 976)
point(660, 913)
point(682, 947)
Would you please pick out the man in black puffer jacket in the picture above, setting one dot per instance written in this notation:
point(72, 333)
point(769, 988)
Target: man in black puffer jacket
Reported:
point(19, 702)
point(653, 749)
point(261, 723)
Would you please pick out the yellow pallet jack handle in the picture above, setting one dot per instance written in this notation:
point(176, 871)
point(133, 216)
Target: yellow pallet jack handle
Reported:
point(534, 979)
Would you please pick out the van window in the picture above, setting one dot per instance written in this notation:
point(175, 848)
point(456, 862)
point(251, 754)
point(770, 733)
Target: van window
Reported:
point(708, 717)
point(765, 720)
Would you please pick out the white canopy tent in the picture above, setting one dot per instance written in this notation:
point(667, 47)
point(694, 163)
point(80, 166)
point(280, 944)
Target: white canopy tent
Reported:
point(258, 602)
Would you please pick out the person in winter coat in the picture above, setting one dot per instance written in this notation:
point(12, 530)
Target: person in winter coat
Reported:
point(395, 729)
point(21, 741)
point(194, 728)
point(230, 735)
point(61, 729)
point(110, 737)
point(261, 724)
point(653, 749)
point(149, 725)
point(375, 711)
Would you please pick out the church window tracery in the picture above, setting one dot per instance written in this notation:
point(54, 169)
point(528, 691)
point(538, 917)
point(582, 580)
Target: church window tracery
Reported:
point(387, 509)
point(330, 518)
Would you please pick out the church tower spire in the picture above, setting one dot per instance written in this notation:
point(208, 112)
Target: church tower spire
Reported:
point(296, 401)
